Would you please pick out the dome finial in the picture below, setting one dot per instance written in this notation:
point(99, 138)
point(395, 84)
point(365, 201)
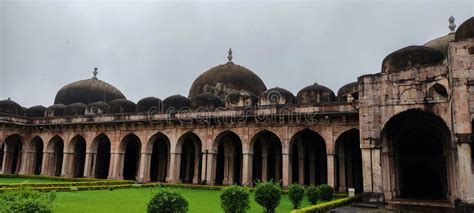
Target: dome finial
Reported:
point(95, 73)
point(230, 55)
point(452, 25)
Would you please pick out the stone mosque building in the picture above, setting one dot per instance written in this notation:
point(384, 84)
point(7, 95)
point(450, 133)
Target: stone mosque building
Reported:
point(403, 133)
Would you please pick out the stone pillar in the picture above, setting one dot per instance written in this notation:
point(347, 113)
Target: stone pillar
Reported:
point(301, 155)
point(211, 168)
point(67, 164)
point(331, 170)
point(287, 175)
point(247, 164)
point(46, 166)
point(144, 167)
point(28, 162)
point(349, 170)
point(187, 171)
point(264, 166)
point(231, 165)
point(173, 172)
point(116, 165)
point(342, 172)
point(465, 170)
point(90, 164)
point(196, 166)
point(312, 167)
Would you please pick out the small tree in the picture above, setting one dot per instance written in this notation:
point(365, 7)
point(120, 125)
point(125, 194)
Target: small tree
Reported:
point(312, 194)
point(324, 192)
point(296, 194)
point(268, 195)
point(235, 199)
point(167, 202)
point(27, 200)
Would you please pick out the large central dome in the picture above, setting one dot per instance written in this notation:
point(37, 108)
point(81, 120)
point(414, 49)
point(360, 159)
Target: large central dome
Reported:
point(87, 91)
point(225, 78)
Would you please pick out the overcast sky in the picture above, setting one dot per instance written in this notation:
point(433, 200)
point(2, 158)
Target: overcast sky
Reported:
point(158, 48)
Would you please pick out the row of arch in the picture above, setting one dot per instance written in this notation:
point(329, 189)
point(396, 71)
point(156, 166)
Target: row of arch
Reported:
point(189, 162)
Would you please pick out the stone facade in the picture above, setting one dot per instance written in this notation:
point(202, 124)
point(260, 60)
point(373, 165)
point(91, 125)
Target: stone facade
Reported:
point(402, 133)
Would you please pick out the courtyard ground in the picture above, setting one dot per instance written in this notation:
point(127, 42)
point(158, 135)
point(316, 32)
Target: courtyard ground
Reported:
point(26, 180)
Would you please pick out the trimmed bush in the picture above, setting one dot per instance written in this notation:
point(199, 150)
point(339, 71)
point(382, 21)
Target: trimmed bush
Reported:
point(324, 192)
point(235, 199)
point(167, 202)
point(268, 195)
point(312, 194)
point(326, 206)
point(296, 194)
point(26, 200)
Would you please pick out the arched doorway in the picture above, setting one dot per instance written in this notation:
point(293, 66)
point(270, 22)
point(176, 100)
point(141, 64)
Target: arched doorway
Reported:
point(267, 157)
point(229, 159)
point(37, 146)
point(348, 161)
point(78, 147)
point(101, 145)
point(12, 154)
point(159, 157)
point(414, 155)
point(131, 145)
point(190, 146)
point(55, 156)
point(309, 160)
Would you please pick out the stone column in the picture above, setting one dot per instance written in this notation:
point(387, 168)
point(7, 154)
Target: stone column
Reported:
point(46, 166)
point(331, 170)
point(144, 167)
point(264, 161)
point(28, 162)
point(66, 167)
point(211, 168)
point(287, 175)
point(312, 167)
point(173, 173)
point(342, 172)
point(349, 170)
point(187, 171)
point(116, 165)
point(90, 164)
point(301, 155)
point(196, 166)
point(247, 164)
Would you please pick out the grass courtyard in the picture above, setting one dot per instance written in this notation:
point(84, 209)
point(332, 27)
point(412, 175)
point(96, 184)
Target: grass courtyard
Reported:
point(135, 200)
point(26, 180)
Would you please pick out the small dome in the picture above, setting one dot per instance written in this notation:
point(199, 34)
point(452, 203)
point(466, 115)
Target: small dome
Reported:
point(225, 78)
point(122, 106)
point(87, 91)
point(99, 107)
point(348, 89)
point(276, 96)
point(75, 109)
point(174, 103)
point(36, 111)
point(465, 30)
point(145, 104)
point(315, 94)
point(206, 100)
point(10, 107)
point(411, 57)
point(56, 110)
point(441, 44)
point(240, 99)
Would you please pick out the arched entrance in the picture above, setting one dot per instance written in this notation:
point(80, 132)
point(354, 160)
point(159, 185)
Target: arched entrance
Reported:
point(414, 155)
point(229, 158)
point(190, 147)
point(55, 156)
point(101, 145)
point(78, 147)
point(267, 157)
point(309, 160)
point(131, 146)
point(348, 161)
point(37, 146)
point(12, 154)
point(159, 157)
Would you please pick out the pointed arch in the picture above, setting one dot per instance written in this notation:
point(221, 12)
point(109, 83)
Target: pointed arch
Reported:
point(266, 147)
point(77, 148)
point(159, 146)
point(13, 150)
point(101, 148)
point(37, 147)
point(131, 146)
point(190, 146)
point(54, 156)
point(229, 158)
point(348, 161)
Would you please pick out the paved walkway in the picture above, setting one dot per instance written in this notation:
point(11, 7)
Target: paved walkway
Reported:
point(392, 208)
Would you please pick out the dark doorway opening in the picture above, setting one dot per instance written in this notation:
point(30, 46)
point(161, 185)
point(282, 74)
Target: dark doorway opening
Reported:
point(309, 160)
point(103, 158)
point(38, 159)
point(229, 157)
point(159, 159)
point(349, 162)
point(132, 157)
point(267, 157)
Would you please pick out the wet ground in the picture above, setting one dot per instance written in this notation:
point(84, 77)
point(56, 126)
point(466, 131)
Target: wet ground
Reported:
point(361, 208)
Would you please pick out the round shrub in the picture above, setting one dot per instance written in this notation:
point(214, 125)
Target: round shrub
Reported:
point(26, 200)
point(268, 195)
point(235, 199)
point(167, 202)
point(312, 194)
point(324, 192)
point(296, 194)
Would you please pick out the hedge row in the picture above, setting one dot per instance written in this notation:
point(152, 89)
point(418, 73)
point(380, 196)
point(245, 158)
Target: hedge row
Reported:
point(323, 207)
point(78, 188)
point(48, 178)
point(66, 184)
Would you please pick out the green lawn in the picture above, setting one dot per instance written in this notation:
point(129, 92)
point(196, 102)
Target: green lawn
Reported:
point(25, 180)
point(135, 200)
